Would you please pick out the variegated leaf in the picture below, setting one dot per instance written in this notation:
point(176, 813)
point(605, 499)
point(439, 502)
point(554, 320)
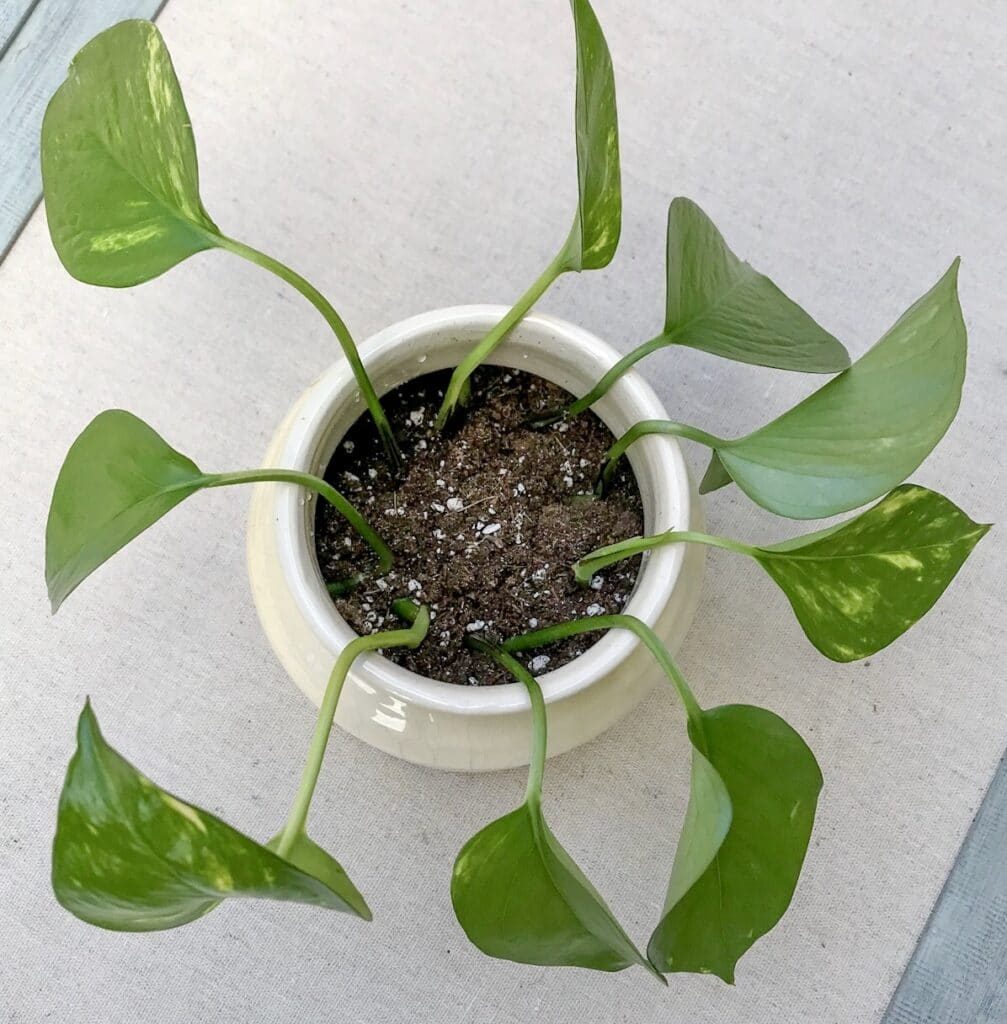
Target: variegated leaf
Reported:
point(595, 235)
point(129, 856)
point(119, 166)
point(858, 586)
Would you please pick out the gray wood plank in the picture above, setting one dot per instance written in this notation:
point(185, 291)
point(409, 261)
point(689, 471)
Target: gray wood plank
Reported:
point(47, 35)
point(958, 973)
point(12, 14)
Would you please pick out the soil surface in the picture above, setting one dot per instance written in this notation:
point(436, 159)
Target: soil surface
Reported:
point(485, 523)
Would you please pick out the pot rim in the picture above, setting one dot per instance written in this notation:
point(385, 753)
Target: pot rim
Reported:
point(658, 458)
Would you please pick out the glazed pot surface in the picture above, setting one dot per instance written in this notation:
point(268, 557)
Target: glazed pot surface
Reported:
point(425, 720)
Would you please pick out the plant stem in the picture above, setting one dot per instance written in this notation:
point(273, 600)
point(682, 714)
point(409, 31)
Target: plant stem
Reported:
point(326, 715)
point(536, 765)
point(642, 429)
point(604, 385)
point(320, 486)
point(457, 385)
point(333, 319)
point(552, 634)
point(597, 560)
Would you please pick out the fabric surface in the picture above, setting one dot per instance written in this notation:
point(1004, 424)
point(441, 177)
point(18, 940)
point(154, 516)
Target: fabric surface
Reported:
point(411, 156)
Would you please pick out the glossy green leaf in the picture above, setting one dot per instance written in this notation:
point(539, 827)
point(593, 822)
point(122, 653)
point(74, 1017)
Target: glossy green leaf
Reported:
point(866, 430)
point(121, 182)
point(859, 585)
point(773, 781)
point(715, 476)
point(856, 586)
point(119, 162)
point(129, 856)
point(306, 855)
point(707, 821)
point(598, 223)
point(720, 304)
point(519, 896)
point(517, 893)
point(118, 478)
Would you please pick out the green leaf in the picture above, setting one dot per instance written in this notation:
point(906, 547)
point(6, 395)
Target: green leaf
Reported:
point(773, 782)
point(121, 181)
point(119, 163)
point(517, 893)
point(519, 896)
point(857, 586)
point(707, 821)
point(129, 856)
point(598, 223)
point(594, 235)
point(118, 478)
point(715, 476)
point(719, 304)
point(869, 428)
point(306, 855)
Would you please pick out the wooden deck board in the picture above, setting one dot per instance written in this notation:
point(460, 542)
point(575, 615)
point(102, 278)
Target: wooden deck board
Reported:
point(958, 973)
point(34, 60)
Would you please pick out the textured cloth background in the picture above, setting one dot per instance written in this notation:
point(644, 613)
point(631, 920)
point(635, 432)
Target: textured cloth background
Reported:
point(406, 156)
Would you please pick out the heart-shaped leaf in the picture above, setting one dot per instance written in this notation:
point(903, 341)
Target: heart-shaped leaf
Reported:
point(519, 896)
point(772, 781)
point(719, 304)
point(129, 856)
point(119, 477)
point(517, 893)
point(866, 430)
point(598, 223)
point(119, 163)
point(859, 585)
point(121, 182)
point(856, 586)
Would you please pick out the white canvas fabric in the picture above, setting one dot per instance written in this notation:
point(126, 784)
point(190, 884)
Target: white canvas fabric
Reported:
point(410, 156)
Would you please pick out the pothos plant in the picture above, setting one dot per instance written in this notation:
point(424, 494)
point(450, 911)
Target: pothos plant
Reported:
point(123, 206)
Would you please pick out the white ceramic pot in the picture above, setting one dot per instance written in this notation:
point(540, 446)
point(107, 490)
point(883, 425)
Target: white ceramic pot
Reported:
point(424, 720)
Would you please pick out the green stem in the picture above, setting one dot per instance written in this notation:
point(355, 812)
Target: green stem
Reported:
point(335, 321)
point(552, 634)
point(320, 486)
point(642, 429)
point(604, 385)
point(319, 741)
point(457, 385)
point(536, 766)
point(597, 560)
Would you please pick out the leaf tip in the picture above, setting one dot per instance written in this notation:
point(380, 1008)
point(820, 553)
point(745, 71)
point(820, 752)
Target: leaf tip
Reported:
point(87, 724)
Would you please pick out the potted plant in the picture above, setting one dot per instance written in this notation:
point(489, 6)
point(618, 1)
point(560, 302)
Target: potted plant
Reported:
point(430, 519)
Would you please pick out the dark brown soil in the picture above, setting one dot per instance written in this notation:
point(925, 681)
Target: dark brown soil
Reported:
point(484, 523)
